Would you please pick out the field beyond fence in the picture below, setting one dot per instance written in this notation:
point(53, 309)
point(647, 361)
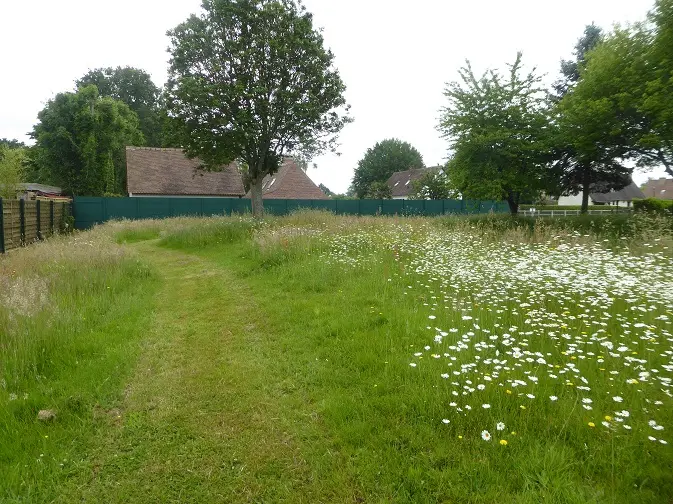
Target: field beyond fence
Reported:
point(23, 222)
point(90, 211)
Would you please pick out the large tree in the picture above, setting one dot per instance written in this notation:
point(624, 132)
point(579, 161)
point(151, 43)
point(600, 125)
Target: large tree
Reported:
point(80, 142)
point(633, 69)
point(497, 129)
point(588, 128)
point(381, 161)
point(134, 87)
point(433, 185)
point(250, 80)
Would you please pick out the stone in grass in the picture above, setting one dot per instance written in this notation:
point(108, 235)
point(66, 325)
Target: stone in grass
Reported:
point(46, 415)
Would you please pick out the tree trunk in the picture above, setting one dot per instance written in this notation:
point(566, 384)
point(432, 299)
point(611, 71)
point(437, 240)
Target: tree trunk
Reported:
point(256, 198)
point(513, 205)
point(585, 191)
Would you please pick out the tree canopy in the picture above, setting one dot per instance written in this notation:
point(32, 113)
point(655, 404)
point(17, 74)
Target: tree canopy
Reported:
point(80, 142)
point(250, 80)
point(12, 169)
point(433, 185)
point(497, 127)
point(135, 88)
point(381, 161)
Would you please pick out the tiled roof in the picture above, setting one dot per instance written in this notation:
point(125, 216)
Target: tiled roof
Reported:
point(402, 183)
point(629, 193)
point(659, 188)
point(157, 171)
point(290, 182)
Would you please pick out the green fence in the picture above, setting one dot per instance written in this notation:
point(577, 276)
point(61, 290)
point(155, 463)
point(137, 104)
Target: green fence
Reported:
point(90, 211)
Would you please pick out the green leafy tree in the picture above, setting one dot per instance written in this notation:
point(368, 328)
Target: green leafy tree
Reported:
point(381, 161)
point(12, 167)
point(135, 88)
point(433, 185)
point(379, 190)
point(80, 142)
point(11, 143)
point(497, 128)
point(596, 121)
point(250, 80)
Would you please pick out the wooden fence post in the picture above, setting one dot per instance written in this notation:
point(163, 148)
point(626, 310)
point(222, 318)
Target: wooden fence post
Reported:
point(2, 227)
point(39, 219)
point(22, 221)
point(51, 217)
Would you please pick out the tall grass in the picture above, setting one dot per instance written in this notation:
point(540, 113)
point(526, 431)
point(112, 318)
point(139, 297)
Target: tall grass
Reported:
point(70, 310)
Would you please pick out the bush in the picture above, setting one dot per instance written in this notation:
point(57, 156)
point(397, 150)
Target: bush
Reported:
point(653, 205)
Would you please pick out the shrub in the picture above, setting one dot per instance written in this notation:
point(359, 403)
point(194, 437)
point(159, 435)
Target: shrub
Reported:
point(653, 205)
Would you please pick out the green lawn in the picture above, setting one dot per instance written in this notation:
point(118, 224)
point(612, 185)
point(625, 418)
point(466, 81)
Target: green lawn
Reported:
point(324, 359)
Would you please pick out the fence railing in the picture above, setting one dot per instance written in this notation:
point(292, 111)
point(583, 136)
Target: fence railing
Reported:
point(26, 221)
point(90, 211)
point(566, 213)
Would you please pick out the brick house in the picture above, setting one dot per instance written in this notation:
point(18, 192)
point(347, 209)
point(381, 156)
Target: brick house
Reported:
point(661, 188)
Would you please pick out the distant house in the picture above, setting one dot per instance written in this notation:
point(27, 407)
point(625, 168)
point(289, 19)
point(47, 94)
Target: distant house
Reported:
point(290, 182)
point(623, 197)
point(152, 172)
point(402, 183)
point(661, 188)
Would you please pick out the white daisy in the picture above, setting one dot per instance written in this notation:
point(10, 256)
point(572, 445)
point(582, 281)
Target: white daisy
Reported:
point(485, 435)
point(500, 426)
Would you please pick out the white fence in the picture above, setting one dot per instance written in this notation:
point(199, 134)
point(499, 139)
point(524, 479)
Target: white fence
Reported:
point(532, 212)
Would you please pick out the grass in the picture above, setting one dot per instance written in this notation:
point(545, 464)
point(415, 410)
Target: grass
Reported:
point(243, 362)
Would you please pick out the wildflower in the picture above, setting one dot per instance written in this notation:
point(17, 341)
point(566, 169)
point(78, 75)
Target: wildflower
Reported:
point(530, 396)
point(460, 437)
point(553, 398)
point(522, 407)
point(413, 364)
point(481, 386)
point(617, 399)
point(500, 426)
point(651, 438)
point(445, 420)
point(508, 391)
point(662, 441)
point(432, 317)
point(486, 406)
point(608, 418)
point(606, 424)
point(591, 424)
point(503, 442)
point(485, 435)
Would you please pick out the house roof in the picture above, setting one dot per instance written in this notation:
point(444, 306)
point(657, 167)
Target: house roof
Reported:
point(290, 182)
point(401, 183)
point(629, 193)
point(151, 170)
point(661, 188)
point(47, 189)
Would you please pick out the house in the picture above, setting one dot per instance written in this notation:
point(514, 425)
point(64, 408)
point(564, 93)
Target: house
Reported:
point(402, 183)
point(661, 188)
point(623, 197)
point(152, 172)
point(290, 182)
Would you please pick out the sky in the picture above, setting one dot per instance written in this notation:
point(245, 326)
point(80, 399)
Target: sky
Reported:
point(394, 56)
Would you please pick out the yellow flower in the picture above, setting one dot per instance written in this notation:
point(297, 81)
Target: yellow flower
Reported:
point(522, 407)
point(508, 391)
point(608, 418)
point(503, 442)
point(513, 433)
point(460, 437)
point(591, 424)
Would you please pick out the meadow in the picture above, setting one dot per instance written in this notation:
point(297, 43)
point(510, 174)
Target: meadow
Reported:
point(321, 358)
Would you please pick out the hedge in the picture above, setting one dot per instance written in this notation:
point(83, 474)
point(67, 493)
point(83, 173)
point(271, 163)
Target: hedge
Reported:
point(653, 205)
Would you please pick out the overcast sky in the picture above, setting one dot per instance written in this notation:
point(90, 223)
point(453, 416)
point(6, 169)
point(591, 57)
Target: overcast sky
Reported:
point(394, 56)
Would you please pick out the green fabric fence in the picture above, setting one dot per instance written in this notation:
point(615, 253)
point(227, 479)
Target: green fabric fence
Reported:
point(90, 211)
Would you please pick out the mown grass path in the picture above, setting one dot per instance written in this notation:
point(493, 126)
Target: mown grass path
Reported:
point(206, 416)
